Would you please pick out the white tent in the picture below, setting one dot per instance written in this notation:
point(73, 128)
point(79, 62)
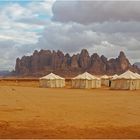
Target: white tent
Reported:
point(127, 80)
point(51, 80)
point(105, 80)
point(138, 81)
point(86, 80)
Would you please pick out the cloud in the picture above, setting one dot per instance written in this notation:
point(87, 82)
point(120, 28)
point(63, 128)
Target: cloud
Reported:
point(113, 25)
point(43, 7)
point(72, 37)
point(20, 29)
point(97, 26)
point(87, 12)
point(9, 52)
point(23, 23)
point(118, 26)
point(66, 37)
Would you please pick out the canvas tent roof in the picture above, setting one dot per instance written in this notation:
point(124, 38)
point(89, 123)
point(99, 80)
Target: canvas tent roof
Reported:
point(127, 75)
point(52, 76)
point(86, 75)
point(104, 77)
point(138, 75)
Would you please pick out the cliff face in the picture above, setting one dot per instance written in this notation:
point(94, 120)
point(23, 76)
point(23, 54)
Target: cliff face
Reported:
point(45, 61)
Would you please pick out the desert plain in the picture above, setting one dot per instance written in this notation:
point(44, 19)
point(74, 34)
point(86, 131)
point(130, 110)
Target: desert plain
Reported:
point(28, 111)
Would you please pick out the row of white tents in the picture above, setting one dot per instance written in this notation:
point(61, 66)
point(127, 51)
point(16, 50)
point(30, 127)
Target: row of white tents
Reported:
point(84, 80)
point(127, 80)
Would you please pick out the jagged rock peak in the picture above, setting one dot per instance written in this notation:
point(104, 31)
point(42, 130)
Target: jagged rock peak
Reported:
point(122, 54)
point(84, 52)
point(44, 61)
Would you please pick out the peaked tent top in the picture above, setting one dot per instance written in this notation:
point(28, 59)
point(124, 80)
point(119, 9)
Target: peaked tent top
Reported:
point(87, 76)
point(127, 75)
point(51, 76)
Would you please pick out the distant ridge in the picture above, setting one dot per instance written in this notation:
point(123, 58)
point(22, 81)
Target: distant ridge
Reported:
point(5, 73)
point(137, 64)
point(45, 61)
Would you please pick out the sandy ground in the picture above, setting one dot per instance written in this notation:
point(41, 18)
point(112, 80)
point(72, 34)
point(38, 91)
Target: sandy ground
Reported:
point(33, 112)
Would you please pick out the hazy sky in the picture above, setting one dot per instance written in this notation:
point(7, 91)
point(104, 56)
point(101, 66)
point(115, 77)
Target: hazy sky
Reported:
point(104, 27)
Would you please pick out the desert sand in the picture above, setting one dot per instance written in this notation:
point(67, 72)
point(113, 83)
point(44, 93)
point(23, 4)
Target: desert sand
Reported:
point(33, 112)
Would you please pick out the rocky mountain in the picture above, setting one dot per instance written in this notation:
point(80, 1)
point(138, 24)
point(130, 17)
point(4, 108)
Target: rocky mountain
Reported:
point(45, 61)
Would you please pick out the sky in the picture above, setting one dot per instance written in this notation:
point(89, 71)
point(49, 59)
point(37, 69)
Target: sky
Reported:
point(103, 27)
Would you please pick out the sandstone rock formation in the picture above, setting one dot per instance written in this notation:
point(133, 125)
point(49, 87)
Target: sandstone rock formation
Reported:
point(46, 61)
